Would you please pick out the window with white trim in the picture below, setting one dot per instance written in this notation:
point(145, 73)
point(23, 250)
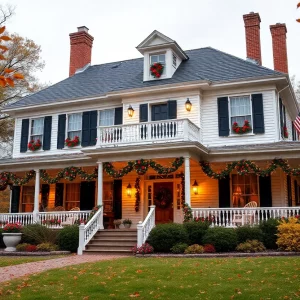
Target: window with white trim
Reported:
point(107, 117)
point(74, 125)
point(159, 58)
point(37, 129)
point(244, 189)
point(240, 110)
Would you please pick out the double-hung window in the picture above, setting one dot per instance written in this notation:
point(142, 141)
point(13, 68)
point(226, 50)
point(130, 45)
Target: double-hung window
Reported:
point(159, 58)
point(107, 117)
point(240, 110)
point(74, 125)
point(37, 129)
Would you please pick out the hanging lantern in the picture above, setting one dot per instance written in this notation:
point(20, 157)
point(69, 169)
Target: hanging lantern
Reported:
point(128, 190)
point(130, 111)
point(188, 104)
point(195, 187)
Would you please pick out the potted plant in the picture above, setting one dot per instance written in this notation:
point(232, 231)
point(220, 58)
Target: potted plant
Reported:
point(127, 223)
point(117, 223)
point(11, 236)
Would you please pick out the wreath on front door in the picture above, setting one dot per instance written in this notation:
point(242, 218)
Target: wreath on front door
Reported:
point(163, 198)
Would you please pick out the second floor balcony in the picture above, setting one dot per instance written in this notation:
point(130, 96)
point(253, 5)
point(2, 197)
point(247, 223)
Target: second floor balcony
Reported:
point(177, 130)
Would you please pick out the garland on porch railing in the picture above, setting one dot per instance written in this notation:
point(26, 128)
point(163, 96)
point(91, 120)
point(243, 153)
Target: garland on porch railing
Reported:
point(68, 173)
point(137, 194)
point(244, 167)
point(9, 177)
point(141, 166)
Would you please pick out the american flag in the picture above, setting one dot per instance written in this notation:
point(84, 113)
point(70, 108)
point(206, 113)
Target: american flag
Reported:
point(297, 123)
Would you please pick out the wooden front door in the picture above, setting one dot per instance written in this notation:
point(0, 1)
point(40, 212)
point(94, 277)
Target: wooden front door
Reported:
point(163, 200)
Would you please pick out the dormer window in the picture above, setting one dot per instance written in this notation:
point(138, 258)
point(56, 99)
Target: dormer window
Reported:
point(159, 58)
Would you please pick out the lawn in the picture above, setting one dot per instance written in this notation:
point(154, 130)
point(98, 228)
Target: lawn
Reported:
point(16, 260)
point(165, 278)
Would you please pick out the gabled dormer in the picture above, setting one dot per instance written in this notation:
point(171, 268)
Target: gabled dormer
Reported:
point(160, 49)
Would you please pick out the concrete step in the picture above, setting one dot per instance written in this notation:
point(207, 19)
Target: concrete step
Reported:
point(114, 239)
point(108, 252)
point(116, 235)
point(112, 243)
point(109, 248)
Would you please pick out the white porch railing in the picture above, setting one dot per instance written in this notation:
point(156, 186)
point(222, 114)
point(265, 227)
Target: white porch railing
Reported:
point(231, 217)
point(148, 132)
point(86, 232)
point(143, 229)
point(23, 218)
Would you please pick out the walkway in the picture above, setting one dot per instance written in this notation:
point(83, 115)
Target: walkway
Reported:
point(13, 272)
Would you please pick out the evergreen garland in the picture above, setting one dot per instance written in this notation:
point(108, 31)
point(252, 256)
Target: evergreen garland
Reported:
point(244, 167)
point(141, 166)
point(11, 178)
point(137, 194)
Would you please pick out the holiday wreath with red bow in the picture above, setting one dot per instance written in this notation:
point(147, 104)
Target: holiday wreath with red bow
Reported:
point(156, 70)
point(241, 129)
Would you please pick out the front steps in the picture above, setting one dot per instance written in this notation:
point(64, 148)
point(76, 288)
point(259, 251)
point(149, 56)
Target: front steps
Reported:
point(112, 241)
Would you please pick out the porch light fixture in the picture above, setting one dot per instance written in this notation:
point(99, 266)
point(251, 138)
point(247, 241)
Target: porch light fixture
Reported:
point(195, 187)
point(128, 190)
point(188, 104)
point(130, 111)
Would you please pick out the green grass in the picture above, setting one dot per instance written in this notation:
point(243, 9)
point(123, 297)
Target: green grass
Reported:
point(17, 260)
point(165, 278)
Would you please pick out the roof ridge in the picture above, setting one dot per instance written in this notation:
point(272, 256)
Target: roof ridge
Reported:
point(115, 62)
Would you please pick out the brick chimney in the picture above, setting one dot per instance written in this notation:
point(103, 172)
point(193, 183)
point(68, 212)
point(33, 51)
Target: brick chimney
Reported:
point(252, 30)
point(278, 32)
point(81, 49)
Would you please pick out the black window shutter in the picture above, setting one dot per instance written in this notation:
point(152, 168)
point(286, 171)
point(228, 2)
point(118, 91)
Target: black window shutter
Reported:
point(172, 109)
point(85, 136)
point(118, 115)
point(294, 136)
point(284, 116)
point(224, 192)
point(47, 133)
point(15, 199)
point(143, 112)
point(296, 192)
point(61, 131)
point(24, 135)
point(93, 127)
point(223, 116)
point(258, 113)
point(281, 116)
point(265, 191)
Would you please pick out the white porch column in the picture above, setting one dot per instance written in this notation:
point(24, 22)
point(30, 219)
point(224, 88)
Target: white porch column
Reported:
point(36, 195)
point(187, 180)
point(100, 191)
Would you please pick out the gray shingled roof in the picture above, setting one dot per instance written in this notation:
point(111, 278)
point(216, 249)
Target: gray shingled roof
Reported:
point(203, 64)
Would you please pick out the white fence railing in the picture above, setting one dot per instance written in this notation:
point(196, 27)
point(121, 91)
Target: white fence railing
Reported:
point(54, 219)
point(231, 217)
point(86, 232)
point(143, 229)
point(166, 130)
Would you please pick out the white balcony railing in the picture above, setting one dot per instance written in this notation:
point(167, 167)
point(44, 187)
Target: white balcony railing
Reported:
point(148, 132)
point(231, 217)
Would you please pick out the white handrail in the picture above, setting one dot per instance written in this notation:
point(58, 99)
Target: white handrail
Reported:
point(143, 229)
point(86, 232)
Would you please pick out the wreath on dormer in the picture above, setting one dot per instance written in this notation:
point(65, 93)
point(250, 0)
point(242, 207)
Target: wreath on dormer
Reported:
point(34, 145)
point(156, 70)
point(241, 129)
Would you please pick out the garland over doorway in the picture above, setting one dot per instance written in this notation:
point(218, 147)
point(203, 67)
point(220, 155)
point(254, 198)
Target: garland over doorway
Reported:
point(244, 167)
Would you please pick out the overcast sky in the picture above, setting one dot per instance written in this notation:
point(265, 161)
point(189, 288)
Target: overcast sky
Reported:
point(118, 26)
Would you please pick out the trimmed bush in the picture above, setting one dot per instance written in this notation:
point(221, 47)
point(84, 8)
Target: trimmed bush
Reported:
point(251, 246)
point(196, 231)
point(38, 234)
point(179, 248)
point(223, 239)
point(208, 248)
point(46, 247)
point(194, 249)
point(22, 247)
point(269, 230)
point(164, 236)
point(68, 238)
point(289, 235)
point(245, 233)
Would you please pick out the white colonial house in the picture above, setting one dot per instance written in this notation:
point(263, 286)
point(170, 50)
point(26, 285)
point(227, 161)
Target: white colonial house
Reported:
point(142, 137)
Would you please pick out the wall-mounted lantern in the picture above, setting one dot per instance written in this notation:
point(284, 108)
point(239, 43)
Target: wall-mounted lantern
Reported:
point(188, 104)
point(195, 187)
point(128, 190)
point(130, 111)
